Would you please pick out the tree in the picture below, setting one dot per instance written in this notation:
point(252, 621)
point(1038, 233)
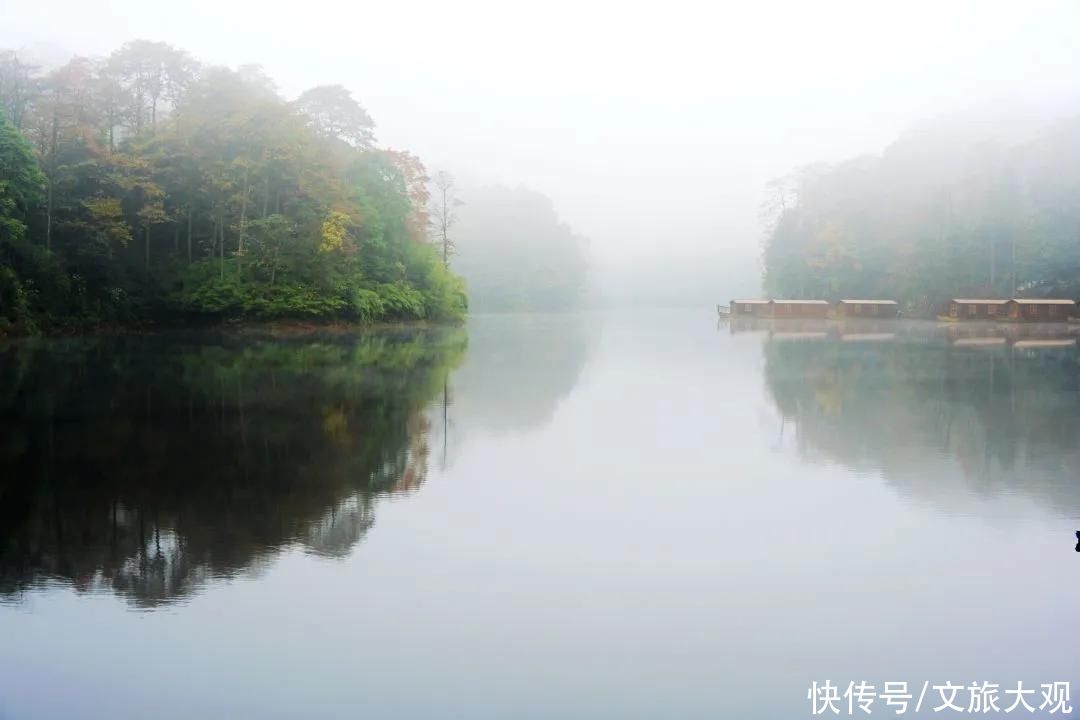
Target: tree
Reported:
point(414, 180)
point(515, 253)
point(115, 102)
point(63, 124)
point(18, 86)
point(151, 72)
point(280, 209)
point(444, 214)
point(333, 113)
point(946, 210)
point(271, 239)
point(21, 182)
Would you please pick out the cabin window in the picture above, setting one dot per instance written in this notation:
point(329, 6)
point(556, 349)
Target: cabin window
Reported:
point(1051, 311)
point(858, 308)
point(1033, 310)
point(746, 308)
point(991, 310)
point(972, 310)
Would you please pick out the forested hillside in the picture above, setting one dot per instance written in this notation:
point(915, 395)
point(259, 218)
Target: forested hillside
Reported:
point(516, 254)
point(146, 187)
point(947, 210)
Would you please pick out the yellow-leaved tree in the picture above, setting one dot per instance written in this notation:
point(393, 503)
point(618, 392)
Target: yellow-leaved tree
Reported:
point(335, 233)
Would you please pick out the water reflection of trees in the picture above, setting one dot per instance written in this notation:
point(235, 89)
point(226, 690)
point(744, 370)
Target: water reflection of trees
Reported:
point(945, 415)
point(518, 369)
point(152, 467)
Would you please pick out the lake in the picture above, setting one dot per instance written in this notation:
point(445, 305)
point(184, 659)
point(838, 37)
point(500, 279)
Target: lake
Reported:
point(584, 516)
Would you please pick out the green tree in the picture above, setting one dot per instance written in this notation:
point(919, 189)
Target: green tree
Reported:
point(333, 113)
point(21, 183)
point(239, 203)
point(945, 211)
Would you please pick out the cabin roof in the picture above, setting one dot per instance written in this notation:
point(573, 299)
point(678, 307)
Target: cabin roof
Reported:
point(1044, 343)
point(749, 302)
point(982, 301)
point(1043, 301)
point(863, 337)
point(807, 335)
point(979, 341)
point(869, 302)
point(800, 302)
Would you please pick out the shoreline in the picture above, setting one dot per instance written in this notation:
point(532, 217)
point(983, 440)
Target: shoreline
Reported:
point(253, 328)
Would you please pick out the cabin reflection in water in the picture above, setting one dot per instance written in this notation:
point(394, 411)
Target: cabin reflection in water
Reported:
point(853, 330)
point(1045, 335)
point(1017, 336)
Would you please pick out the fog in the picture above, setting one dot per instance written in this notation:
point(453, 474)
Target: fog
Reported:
point(653, 127)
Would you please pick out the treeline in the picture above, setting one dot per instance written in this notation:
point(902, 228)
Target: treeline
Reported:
point(943, 212)
point(146, 186)
point(516, 254)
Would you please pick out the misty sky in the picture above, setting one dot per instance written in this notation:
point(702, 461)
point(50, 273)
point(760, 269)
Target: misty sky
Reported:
point(651, 125)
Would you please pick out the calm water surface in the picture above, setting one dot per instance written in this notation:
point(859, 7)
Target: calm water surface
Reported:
point(590, 517)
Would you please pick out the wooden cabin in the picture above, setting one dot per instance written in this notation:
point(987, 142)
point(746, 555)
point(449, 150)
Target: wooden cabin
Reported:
point(868, 308)
point(1040, 309)
point(749, 308)
point(975, 309)
point(799, 308)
